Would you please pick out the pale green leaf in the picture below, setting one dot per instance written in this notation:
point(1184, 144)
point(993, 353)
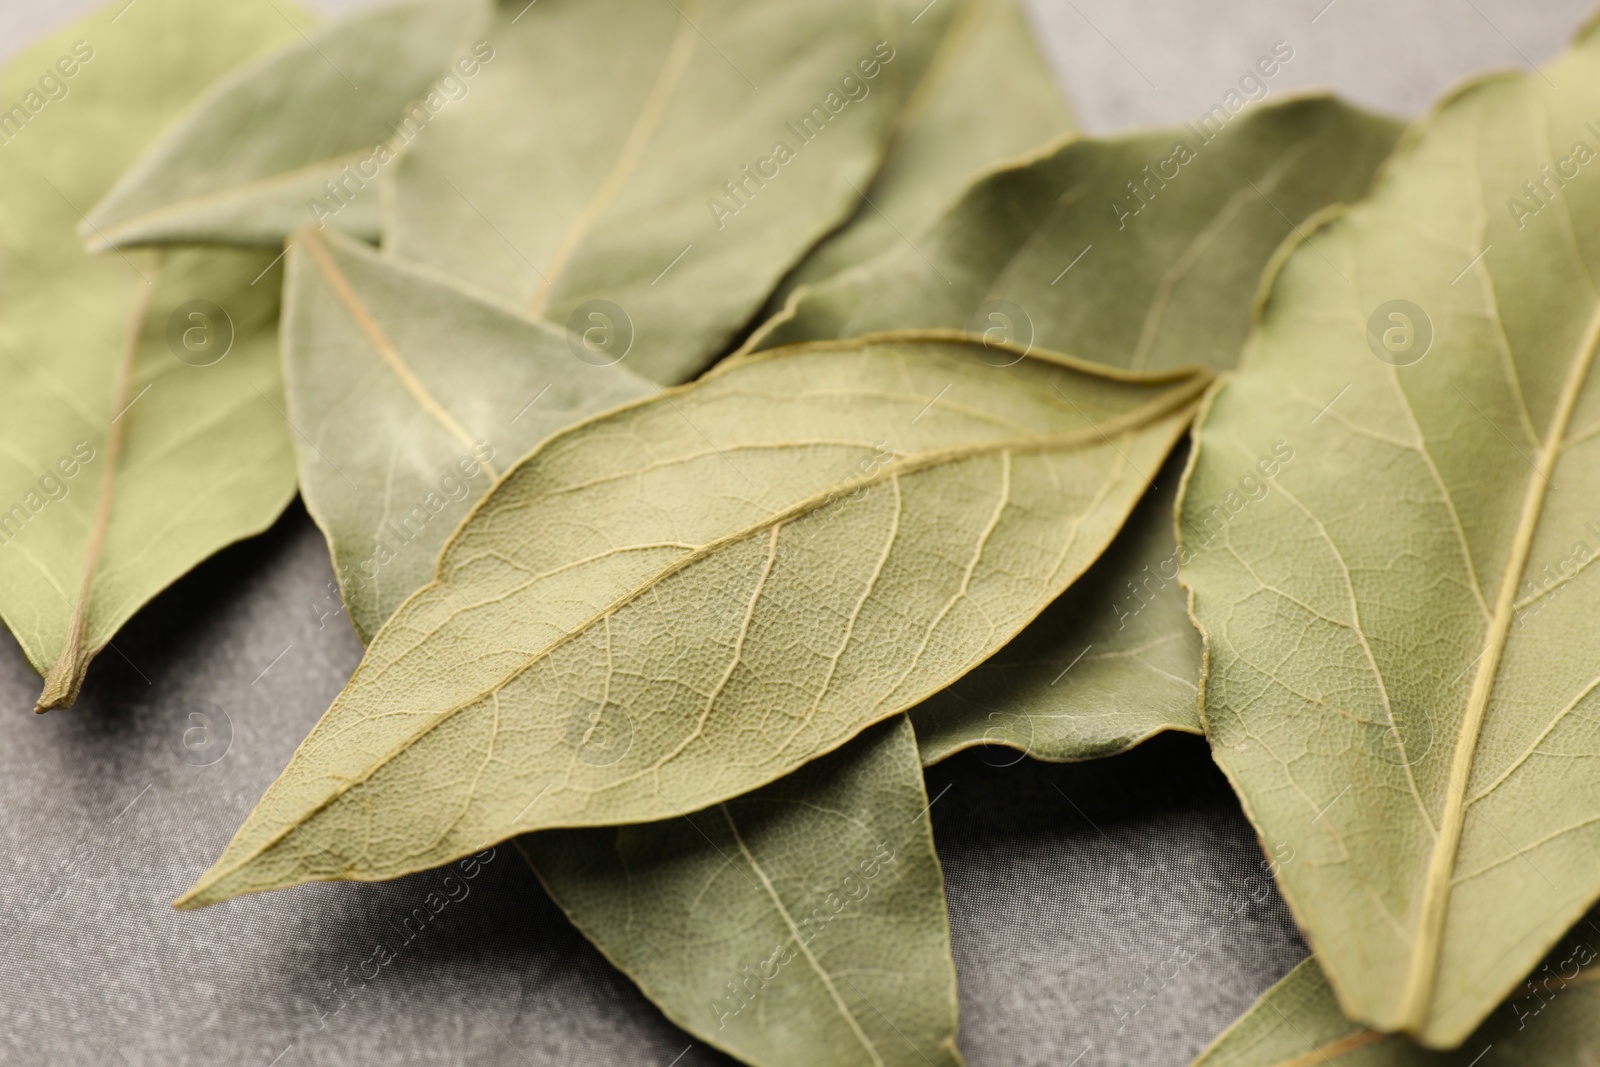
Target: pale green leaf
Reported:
point(395, 378)
point(601, 157)
point(1173, 282)
point(1063, 240)
point(1113, 661)
point(412, 395)
point(690, 597)
point(1554, 1018)
point(1400, 628)
point(986, 96)
point(124, 465)
point(800, 924)
point(249, 162)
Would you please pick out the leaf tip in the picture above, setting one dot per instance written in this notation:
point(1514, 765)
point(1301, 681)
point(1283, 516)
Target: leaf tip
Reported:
point(203, 893)
point(191, 900)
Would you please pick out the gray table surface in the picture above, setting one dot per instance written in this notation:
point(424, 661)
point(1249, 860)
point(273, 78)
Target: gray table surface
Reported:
point(1070, 888)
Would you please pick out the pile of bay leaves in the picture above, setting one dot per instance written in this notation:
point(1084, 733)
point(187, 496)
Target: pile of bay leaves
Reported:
point(720, 411)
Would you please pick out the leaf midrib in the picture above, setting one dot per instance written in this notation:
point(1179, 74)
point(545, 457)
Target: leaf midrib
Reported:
point(800, 941)
point(1423, 977)
point(112, 235)
point(1145, 414)
point(644, 128)
point(367, 323)
point(61, 685)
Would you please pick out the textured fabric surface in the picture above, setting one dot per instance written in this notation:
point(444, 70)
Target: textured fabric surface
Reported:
point(1102, 911)
point(1115, 908)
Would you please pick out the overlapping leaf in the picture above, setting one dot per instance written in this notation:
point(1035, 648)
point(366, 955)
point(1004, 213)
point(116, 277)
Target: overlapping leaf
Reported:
point(672, 160)
point(1062, 251)
point(412, 395)
point(397, 379)
point(680, 601)
point(298, 136)
point(1173, 282)
point(1402, 677)
point(141, 431)
point(801, 924)
point(1554, 1018)
point(392, 376)
point(1112, 662)
point(987, 96)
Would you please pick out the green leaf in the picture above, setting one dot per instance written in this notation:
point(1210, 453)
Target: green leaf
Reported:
point(1062, 239)
point(987, 96)
point(396, 378)
point(247, 163)
point(412, 395)
point(1553, 1019)
point(687, 598)
point(800, 924)
point(126, 463)
point(1112, 662)
point(601, 158)
point(1173, 282)
point(1402, 676)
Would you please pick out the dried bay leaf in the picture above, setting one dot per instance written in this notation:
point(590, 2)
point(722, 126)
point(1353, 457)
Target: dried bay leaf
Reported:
point(987, 96)
point(396, 377)
point(1553, 1019)
point(1164, 284)
point(412, 395)
point(142, 430)
point(800, 924)
point(712, 143)
point(248, 161)
point(1117, 658)
point(687, 598)
point(1110, 663)
point(1401, 671)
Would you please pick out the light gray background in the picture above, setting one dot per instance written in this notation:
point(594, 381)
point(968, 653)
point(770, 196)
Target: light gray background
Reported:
point(1071, 888)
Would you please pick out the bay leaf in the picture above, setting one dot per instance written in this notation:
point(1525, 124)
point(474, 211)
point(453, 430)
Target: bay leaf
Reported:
point(1137, 251)
point(986, 96)
point(412, 395)
point(1401, 681)
point(1117, 658)
point(298, 136)
point(802, 923)
point(610, 637)
point(1113, 661)
point(1554, 1018)
point(663, 166)
point(397, 378)
point(141, 419)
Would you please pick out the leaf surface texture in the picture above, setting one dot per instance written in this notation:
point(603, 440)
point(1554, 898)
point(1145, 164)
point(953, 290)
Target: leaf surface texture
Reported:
point(1402, 679)
point(168, 460)
point(1117, 658)
point(1554, 1018)
point(803, 923)
point(1159, 285)
point(686, 598)
point(244, 164)
point(1111, 662)
point(397, 377)
point(611, 193)
point(986, 96)
point(412, 395)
